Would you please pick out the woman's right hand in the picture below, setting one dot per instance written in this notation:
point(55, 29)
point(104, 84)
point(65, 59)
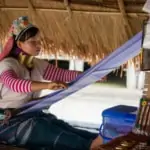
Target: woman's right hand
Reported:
point(37, 86)
point(57, 85)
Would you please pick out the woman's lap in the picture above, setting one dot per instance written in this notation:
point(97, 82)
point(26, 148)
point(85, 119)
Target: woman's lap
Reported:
point(44, 130)
point(57, 138)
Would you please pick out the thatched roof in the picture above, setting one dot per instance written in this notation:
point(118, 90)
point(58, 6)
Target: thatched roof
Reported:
point(90, 29)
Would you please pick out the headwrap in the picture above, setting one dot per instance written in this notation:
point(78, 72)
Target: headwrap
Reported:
point(18, 28)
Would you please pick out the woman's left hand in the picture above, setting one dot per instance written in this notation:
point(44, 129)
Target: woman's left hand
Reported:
point(57, 85)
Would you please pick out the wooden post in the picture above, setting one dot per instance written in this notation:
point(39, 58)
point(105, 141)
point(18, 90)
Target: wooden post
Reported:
point(141, 79)
point(71, 64)
point(56, 61)
point(126, 21)
point(79, 65)
point(130, 76)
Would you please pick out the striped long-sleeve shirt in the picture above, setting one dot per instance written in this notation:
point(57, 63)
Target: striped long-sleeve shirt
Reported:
point(57, 74)
point(10, 79)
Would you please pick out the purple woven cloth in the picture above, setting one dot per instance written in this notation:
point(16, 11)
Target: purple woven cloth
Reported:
point(121, 55)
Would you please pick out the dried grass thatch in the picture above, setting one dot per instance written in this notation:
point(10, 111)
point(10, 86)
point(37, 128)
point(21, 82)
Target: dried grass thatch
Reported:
point(87, 29)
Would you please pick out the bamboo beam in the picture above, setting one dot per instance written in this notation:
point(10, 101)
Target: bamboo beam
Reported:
point(60, 5)
point(66, 2)
point(101, 3)
point(123, 12)
point(31, 10)
point(133, 14)
point(111, 6)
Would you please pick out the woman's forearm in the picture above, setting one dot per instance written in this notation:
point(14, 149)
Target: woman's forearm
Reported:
point(10, 79)
point(53, 73)
point(37, 86)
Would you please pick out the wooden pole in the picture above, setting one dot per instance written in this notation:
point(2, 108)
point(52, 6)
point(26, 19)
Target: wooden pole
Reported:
point(66, 2)
point(56, 60)
point(8, 147)
point(126, 21)
point(131, 74)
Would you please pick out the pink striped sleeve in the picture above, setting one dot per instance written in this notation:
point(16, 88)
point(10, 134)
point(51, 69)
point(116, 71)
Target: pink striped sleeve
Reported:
point(53, 73)
point(10, 79)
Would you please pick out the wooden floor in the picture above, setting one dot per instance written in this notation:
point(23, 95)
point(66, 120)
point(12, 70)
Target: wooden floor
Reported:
point(4, 147)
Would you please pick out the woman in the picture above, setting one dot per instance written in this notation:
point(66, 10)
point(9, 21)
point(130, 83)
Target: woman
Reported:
point(22, 78)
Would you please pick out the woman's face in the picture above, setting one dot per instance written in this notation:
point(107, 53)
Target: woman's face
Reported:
point(32, 46)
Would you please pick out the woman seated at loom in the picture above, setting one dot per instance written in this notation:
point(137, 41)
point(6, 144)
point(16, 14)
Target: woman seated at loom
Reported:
point(22, 78)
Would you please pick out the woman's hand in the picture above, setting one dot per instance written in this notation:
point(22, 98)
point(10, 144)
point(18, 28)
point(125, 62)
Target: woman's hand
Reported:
point(57, 85)
point(37, 86)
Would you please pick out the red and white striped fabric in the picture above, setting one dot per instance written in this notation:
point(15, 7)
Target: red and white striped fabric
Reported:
point(9, 78)
point(53, 73)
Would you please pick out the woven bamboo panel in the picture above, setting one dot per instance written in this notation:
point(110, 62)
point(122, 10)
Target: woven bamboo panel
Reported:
point(146, 60)
point(146, 91)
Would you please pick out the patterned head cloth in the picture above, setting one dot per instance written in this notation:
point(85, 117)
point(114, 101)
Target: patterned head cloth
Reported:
point(18, 28)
